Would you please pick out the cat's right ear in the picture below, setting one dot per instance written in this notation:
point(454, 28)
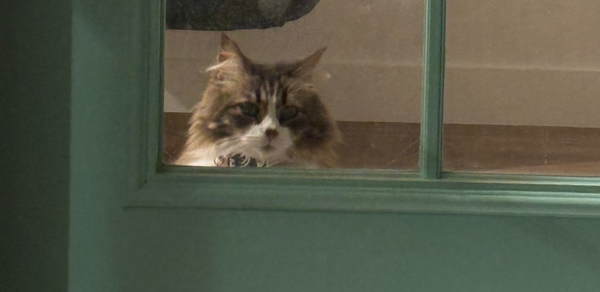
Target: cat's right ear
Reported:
point(306, 67)
point(229, 49)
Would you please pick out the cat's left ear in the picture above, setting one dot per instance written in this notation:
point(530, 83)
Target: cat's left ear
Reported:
point(308, 64)
point(231, 63)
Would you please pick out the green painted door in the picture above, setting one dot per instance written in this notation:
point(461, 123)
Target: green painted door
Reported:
point(183, 240)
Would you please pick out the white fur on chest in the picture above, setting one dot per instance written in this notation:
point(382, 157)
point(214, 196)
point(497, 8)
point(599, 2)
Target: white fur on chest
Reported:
point(207, 156)
point(251, 144)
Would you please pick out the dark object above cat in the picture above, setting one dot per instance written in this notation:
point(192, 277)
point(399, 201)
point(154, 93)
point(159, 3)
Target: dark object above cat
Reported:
point(234, 14)
point(260, 115)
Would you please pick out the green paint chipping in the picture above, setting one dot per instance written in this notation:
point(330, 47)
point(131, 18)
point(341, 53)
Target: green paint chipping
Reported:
point(432, 121)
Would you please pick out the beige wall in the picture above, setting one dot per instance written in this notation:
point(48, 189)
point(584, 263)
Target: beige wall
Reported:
point(525, 62)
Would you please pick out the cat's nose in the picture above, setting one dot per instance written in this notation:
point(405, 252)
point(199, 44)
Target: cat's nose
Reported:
point(271, 134)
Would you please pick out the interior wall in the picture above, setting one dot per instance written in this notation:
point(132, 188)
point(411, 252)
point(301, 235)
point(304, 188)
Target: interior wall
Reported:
point(521, 62)
point(374, 76)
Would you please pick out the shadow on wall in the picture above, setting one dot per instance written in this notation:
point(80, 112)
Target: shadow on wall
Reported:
point(234, 14)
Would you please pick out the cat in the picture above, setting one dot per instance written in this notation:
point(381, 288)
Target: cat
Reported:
point(262, 115)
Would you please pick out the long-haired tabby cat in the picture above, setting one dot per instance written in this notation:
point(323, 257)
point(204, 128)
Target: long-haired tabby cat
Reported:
point(260, 115)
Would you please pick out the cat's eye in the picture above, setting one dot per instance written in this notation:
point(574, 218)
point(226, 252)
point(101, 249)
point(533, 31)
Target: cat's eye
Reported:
point(287, 113)
point(249, 109)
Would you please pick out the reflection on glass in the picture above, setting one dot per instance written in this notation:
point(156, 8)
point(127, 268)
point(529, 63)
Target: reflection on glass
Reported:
point(363, 90)
point(522, 87)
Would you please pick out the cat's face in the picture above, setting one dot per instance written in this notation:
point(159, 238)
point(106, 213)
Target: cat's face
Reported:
point(267, 112)
point(256, 124)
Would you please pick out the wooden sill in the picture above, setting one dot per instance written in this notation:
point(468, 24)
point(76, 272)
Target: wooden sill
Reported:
point(472, 148)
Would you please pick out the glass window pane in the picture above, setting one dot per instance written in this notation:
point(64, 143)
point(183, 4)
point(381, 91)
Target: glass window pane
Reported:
point(369, 77)
point(523, 87)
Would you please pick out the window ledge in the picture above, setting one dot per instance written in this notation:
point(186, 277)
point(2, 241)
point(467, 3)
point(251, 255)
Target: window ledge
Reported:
point(372, 191)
